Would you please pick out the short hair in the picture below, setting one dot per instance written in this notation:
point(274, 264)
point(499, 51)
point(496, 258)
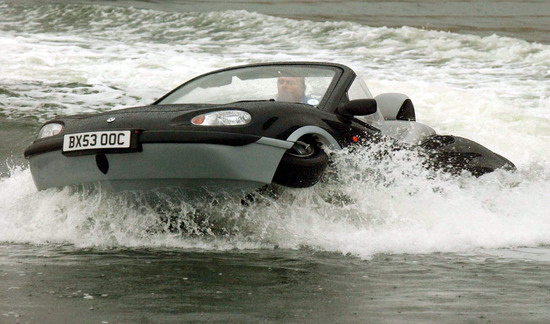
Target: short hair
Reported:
point(302, 79)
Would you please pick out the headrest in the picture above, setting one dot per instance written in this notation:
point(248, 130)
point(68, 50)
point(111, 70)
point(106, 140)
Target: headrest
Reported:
point(395, 106)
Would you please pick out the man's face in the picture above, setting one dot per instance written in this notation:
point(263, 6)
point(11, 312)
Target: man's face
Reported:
point(291, 89)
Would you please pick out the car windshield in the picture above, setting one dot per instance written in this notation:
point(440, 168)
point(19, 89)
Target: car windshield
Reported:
point(307, 84)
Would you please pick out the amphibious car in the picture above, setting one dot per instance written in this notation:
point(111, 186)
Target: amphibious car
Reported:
point(241, 128)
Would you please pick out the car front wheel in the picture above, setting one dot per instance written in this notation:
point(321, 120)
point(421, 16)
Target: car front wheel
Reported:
point(302, 165)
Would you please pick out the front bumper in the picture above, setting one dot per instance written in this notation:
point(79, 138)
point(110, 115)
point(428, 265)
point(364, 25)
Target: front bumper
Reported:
point(162, 165)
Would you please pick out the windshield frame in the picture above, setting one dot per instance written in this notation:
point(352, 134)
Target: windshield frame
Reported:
point(335, 68)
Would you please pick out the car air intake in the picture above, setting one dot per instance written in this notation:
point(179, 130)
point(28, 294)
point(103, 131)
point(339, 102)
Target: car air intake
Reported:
point(102, 163)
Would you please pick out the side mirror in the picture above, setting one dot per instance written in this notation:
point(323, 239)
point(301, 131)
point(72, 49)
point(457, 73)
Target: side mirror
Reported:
point(358, 107)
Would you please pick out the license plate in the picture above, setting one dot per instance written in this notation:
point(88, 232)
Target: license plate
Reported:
point(96, 140)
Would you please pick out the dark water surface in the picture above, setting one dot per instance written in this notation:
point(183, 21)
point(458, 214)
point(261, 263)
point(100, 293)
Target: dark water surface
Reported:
point(522, 19)
point(14, 134)
point(63, 285)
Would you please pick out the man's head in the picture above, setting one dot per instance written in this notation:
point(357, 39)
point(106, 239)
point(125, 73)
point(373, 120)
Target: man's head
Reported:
point(291, 89)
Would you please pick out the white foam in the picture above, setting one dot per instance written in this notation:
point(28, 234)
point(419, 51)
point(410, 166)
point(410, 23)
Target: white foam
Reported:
point(494, 90)
point(392, 206)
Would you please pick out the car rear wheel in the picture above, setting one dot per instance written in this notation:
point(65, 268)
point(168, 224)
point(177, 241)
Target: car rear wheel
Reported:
point(302, 165)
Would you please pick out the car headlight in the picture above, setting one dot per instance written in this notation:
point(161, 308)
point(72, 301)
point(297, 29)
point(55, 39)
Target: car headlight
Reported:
point(222, 118)
point(50, 129)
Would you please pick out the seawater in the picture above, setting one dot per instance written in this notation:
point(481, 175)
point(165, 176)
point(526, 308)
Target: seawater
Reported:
point(380, 239)
point(82, 58)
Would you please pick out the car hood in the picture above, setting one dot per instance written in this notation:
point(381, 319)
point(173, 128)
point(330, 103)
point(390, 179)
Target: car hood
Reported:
point(143, 118)
point(266, 118)
point(172, 123)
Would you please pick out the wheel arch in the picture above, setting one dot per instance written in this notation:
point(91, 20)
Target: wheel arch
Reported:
point(321, 135)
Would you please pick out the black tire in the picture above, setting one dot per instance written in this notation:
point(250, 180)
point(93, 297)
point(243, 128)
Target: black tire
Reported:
point(301, 170)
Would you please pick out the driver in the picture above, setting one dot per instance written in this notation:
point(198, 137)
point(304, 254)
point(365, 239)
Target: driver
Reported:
point(291, 89)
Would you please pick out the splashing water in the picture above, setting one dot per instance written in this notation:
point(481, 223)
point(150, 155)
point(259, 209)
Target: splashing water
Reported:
point(494, 90)
point(371, 203)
